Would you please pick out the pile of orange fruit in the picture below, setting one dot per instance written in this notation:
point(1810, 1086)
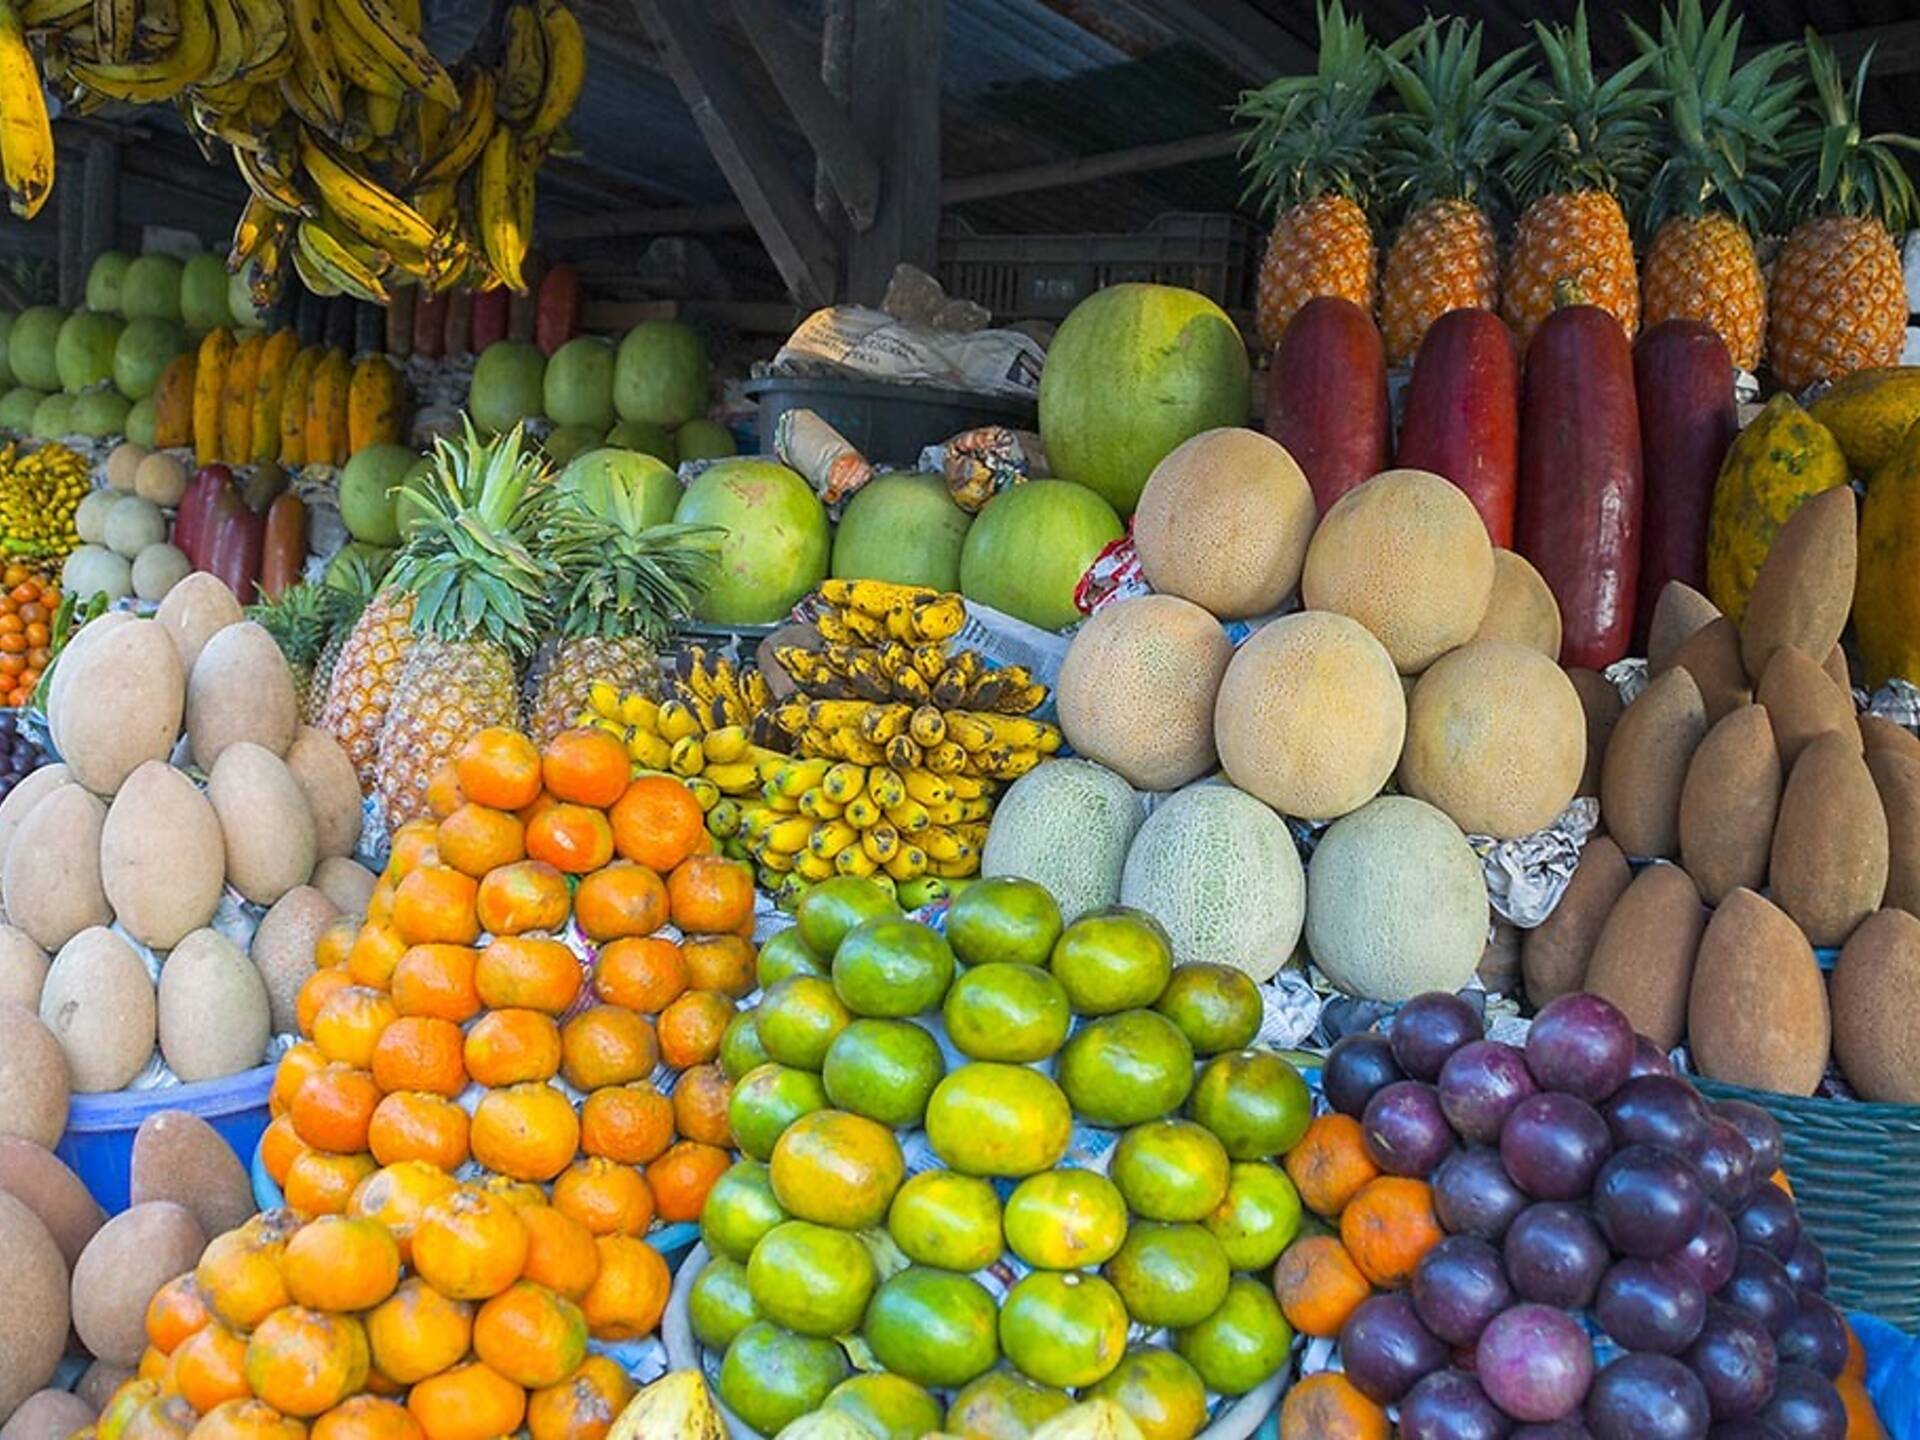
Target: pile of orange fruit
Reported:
point(475, 1133)
point(27, 606)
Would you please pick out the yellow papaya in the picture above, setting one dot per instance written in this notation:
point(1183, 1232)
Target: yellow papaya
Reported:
point(293, 405)
point(236, 398)
point(1779, 460)
point(209, 387)
point(326, 395)
point(173, 402)
point(1886, 591)
point(270, 379)
point(375, 400)
point(1869, 412)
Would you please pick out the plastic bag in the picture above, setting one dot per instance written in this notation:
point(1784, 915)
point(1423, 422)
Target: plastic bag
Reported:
point(1893, 1375)
point(851, 340)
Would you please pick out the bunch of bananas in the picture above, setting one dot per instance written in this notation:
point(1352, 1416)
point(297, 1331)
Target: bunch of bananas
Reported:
point(39, 492)
point(944, 742)
point(366, 159)
point(870, 612)
point(721, 693)
point(923, 674)
point(706, 741)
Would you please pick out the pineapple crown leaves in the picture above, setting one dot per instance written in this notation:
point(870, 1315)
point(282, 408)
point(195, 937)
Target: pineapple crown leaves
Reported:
point(1836, 168)
point(470, 565)
point(300, 621)
point(1313, 134)
point(1583, 133)
point(620, 578)
point(1453, 127)
point(1725, 120)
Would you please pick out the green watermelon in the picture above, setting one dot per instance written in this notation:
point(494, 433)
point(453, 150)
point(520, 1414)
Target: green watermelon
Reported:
point(203, 293)
point(99, 412)
point(654, 489)
point(52, 417)
point(7, 317)
point(140, 422)
point(17, 407)
point(578, 385)
point(151, 289)
point(660, 374)
point(1029, 547)
point(84, 352)
point(646, 437)
point(32, 345)
point(508, 384)
point(1134, 371)
point(144, 349)
point(775, 547)
point(104, 279)
point(904, 528)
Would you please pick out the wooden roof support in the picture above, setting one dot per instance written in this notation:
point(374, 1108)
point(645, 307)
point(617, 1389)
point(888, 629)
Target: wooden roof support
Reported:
point(894, 91)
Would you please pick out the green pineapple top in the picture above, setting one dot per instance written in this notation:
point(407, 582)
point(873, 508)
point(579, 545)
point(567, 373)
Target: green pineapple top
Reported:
point(301, 621)
point(1835, 169)
point(1314, 135)
point(621, 579)
point(471, 565)
point(1583, 133)
point(1453, 131)
point(1725, 120)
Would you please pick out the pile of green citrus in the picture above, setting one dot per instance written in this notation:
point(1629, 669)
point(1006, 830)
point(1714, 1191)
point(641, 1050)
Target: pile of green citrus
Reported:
point(808, 1233)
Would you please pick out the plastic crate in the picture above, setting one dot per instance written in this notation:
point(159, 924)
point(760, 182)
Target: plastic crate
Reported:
point(1044, 276)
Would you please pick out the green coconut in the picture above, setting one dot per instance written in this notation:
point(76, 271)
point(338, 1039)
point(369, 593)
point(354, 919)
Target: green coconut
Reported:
point(151, 289)
point(578, 385)
point(660, 374)
point(104, 279)
point(83, 354)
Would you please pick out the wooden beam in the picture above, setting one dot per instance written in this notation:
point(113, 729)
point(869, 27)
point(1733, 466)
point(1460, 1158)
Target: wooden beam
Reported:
point(788, 54)
point(894, 88)
point(1236, 33)
point(744, 146)
point(99, 229)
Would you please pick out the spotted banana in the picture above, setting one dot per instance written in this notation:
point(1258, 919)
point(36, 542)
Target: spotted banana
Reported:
point(26, 135)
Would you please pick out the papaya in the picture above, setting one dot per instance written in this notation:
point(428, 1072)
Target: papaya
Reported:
point(1886, 596)
point(269, 391)
point(326, 398)
point(376, 397)
point(1779, 460)
point(173, 402)
point(293, 406)
point(209, 387)
point(236, 398)
point(1869, 412)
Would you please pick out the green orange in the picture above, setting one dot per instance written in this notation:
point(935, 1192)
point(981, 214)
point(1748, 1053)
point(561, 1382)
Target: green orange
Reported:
point(829, 910)
point(1065, 1219)
point(740, 1047)
point(1217, 1007)
point(786, 953)
point(1242, 1343)
point(1162, 1394)
point(885, 1070)
point(1170, 1170)
point(1254, 1101)
point(1063, 1328)
point(797, 1019)
point(1003, 1405)
point(771, 1377)
point(1122, 1069)
point(811, 1279)
point(892, 968)
point(740, 1208)
point(944, 1218)
point(1003, 1011)
point(1112, 960)
point(720, 1304)
point(935, 1327)
point(1170, 1274)
point(766, 1101)
point(991, 1119)
point(888, 1407)
point(836, 1168)
point(1003, 920)
point(1259, 1217)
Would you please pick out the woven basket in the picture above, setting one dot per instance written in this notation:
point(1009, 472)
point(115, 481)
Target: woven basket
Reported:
point(1856, 1178)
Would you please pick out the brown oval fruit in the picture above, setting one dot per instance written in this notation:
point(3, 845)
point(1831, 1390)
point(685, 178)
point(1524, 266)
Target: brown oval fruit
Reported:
point(1804, 590)
point(1876, 1009)
point(1555, 953)
point(1728, 805)
point(1712, 656)
point(1646, 765)
point(1803, 702)
point(1643, 960)
point(1828, 866)
point(1757, 1014)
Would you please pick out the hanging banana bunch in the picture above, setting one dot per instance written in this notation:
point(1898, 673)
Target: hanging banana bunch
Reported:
point(26, 135)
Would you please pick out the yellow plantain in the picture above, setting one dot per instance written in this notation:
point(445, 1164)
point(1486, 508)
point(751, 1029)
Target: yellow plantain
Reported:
point(230, 128)
point(358, 62)
point(503, 197)
point(315, 63)
point(146, 82)
point(158, 26)
point(400, 46)
point(566, 69)
point(428, 122)
point(376, 260)
point(54, 14)
point(355, 135)
point(467, 134)
point(266, 273)
point(229, 97)
point(268, 30)
point(311, 277)
point(26, 134)
point(232, 42)
point(268, 185)
point(383, 115)
point(114, 23)
point(265, 107)
point(321, 254)
point(523, 65)
point(373, 212)
point(256, 218)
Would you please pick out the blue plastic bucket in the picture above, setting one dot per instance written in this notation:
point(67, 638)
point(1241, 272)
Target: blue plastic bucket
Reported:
point(98, 1145)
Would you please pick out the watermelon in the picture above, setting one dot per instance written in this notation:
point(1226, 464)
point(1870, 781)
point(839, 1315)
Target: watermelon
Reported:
point(660, 374)
point(775, 546)
point(654, 489)
point(579, 383)
point(151, 289)
point(1029, 547)
point(99, 412)
point(17, 407)
point(904, 528)
point(508, 385)
point(52, 417)
point(203, 293)
point(144, 349)
point(31, 346)
point(83, 354)
point(104, 279)
point(367, 483)
point(1135, 371)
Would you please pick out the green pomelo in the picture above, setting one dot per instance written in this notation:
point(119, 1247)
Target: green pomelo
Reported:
point(943, 1218)
point(104, 279)
point(83, 353)
point(771, 1377)
point(32, 346)
point(1003, 919)
point(203, 293)
point(565, 442)
point(1241, 1344)
point(1254, 1101)
point(1016, 1013)
point(52, 417)
point(645, 437)
point(1064, 1329)
point(703, 439)
point(812, 1279)
point(1065, 1219)
point(1127, 1068)
point(740, 1209)
point(1170, 1274)
point(99, 413)
point(508, 386)
point(884, 1070)
point(798, 1019)
point(774, 549)
point(1162, 1394)
point(578, 385)
point(17, 407)
point(720, 1305)
point(1170, 1170)
point(1112, 960)
point(145, 348)
point(368, 483)
point(602, 474)
point(151, 289)
point(1133, 372)
point(660, 374)
point(1002, 1403)
point(140, 422)
point(886, 1407)
point(766, 1100)
point(1029, 546)
point(1259, 1217)
point(833, 908)
point(992, 1119)
point(902, 528)
point(934, 1327)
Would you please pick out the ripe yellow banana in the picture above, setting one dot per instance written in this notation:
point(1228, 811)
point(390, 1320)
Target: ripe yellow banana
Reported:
point(311, 277)
point(400, 46)
point(467, 132)
point(358, 62)
point(566, 69)
point(256, 219)
point(231, 128)
point(523, 68)
point(374, 213)
point(269, 185)
point(504, 200)
point(383, 114)
point(268, 30)
point(114, 23)
point(322, 254)
point(145, 82)
point(232, 44)
point(26, 135)
point(315, 65)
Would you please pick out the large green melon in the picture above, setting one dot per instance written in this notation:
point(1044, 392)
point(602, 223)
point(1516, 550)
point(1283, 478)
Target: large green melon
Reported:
point(17, 407)
point(660, 374)
point(32, 345)
point(104, 279)
point(904, 528)
point(508, 385)
point(151, 289)
point(578, 385)
point(99, 412)
point(203, 293)
point(651, 485)
point(145, 348)
point(140, 422)
point(1029, 547)
point(367, 485)
point(83, 354)
point(1134, 371)
point(52, 417)
point(775, 547)
point(7, 317)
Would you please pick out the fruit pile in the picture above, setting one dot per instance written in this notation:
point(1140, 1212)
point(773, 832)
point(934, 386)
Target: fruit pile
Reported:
point(30, 630)
point(716, 731)
point(1612, 1251)
point(39, 492)
point(832, 1063)
point(258, 398)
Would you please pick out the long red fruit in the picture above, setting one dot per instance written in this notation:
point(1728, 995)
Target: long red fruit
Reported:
point(1463, 413)
point(1683, 378)
point(1580, 481)
point(1327, 397)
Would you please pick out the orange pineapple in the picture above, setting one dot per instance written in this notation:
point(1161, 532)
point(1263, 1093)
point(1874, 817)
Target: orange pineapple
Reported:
point(1310, 159)
point(361, 682)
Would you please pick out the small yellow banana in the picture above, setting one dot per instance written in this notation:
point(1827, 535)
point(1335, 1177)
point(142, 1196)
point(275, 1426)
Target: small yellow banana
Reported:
point(321, 252)
point(145, 82)
point(504, 190)
point(523, 69)
point(469, 126)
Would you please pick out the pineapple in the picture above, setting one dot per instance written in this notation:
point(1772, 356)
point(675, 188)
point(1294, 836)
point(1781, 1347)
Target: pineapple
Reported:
point(361, 681)
point(1440, 153)
point(1839, 298)
point(1587, 140)
point(1311, 160)
point(480, 602)
point(300, 624)
point(348, 594)
point(1725, 123)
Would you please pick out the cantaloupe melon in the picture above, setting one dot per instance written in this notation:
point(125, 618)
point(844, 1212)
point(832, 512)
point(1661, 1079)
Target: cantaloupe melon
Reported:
point(1521, 607)
point(1310, 716)
point(1406, 555)
point(1220, 872)
point(1396, 902)
point(1066, 825)
point(1496, 738)
point(1136, 690)
point(1224, 521)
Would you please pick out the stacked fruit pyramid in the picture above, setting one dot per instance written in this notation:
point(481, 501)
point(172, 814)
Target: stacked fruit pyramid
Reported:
point(255, 398)
point(990, 1249)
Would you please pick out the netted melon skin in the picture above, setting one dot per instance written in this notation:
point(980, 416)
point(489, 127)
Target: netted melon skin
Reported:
point(1066, 825)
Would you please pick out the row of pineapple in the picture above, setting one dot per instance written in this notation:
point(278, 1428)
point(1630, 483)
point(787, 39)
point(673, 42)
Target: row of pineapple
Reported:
point(1697, 143)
